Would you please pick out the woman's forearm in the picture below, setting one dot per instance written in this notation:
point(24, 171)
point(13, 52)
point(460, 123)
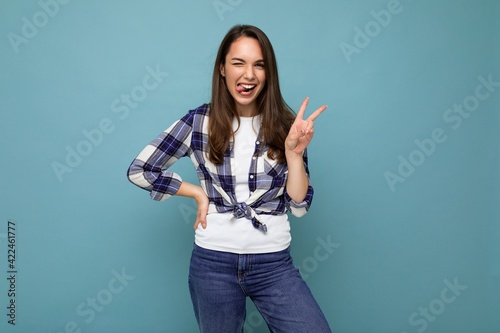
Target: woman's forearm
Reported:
point(297, 182)
point(190, 190)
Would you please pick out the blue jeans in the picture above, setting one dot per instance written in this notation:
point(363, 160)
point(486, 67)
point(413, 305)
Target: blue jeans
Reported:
point(219, 283)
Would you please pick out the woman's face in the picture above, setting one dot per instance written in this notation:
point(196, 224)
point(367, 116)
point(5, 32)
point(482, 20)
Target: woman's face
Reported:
point(245, 75)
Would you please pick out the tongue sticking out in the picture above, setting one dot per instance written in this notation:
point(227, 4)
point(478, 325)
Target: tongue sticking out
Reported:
point(240, 89)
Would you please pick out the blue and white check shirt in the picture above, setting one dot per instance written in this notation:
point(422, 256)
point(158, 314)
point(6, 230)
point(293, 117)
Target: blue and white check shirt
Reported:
point(189, 137)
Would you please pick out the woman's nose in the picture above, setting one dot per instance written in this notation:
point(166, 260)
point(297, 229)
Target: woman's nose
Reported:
point(249, 72)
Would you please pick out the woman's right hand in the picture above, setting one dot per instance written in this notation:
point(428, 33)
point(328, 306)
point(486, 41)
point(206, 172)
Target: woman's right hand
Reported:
point(201, 216)
point(196, 192)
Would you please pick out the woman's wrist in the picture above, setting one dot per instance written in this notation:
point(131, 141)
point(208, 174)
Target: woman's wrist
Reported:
point(200, 195)
point(293, 158)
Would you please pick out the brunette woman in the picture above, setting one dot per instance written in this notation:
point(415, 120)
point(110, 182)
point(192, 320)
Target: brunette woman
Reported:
point(249, 152)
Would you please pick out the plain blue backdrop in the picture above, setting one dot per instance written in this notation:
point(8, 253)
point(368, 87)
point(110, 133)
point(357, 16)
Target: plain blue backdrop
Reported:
point(403, 233)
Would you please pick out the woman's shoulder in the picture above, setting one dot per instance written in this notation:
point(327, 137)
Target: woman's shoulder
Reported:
point(200, 110)
point(195, 117)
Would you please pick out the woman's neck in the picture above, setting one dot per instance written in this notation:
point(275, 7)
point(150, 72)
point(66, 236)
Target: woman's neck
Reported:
point(246, 110)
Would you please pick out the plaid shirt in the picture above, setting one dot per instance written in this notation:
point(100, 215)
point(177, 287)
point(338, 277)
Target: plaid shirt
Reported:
point(189, 137)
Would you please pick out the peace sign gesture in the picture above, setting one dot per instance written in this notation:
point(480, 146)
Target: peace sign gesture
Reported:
point(302, 131)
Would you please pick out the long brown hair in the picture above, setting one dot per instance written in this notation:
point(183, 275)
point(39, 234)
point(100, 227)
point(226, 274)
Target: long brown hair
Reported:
point(277, 116)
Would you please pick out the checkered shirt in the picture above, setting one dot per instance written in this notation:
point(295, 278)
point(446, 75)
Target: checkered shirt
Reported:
point(189, 137)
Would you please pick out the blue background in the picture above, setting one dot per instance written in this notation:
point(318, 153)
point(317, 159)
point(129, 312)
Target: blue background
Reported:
point(394, 250)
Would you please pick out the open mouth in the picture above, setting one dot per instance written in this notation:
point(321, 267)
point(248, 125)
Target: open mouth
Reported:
point(245, 89)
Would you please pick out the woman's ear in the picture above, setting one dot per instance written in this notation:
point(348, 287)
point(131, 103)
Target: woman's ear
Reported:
point(222, 71)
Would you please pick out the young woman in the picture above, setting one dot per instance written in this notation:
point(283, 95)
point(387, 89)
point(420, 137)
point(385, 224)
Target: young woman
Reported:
point(249, 151)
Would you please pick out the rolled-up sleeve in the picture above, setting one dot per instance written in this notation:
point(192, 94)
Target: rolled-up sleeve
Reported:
point(300, 209)
point(149, 170)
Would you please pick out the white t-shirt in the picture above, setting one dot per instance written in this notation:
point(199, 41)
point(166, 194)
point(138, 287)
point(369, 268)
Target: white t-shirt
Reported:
point(227, 233)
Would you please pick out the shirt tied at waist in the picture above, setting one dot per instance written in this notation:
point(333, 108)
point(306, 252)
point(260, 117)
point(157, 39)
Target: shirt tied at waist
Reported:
point(241, 209)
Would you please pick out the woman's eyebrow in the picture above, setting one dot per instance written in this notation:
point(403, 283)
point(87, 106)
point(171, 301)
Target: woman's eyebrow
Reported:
point(239, 59)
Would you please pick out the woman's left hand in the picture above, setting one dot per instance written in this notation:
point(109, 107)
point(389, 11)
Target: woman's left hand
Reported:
point(302, 131)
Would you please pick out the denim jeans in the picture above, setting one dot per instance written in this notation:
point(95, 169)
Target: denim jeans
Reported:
point(219, 283)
